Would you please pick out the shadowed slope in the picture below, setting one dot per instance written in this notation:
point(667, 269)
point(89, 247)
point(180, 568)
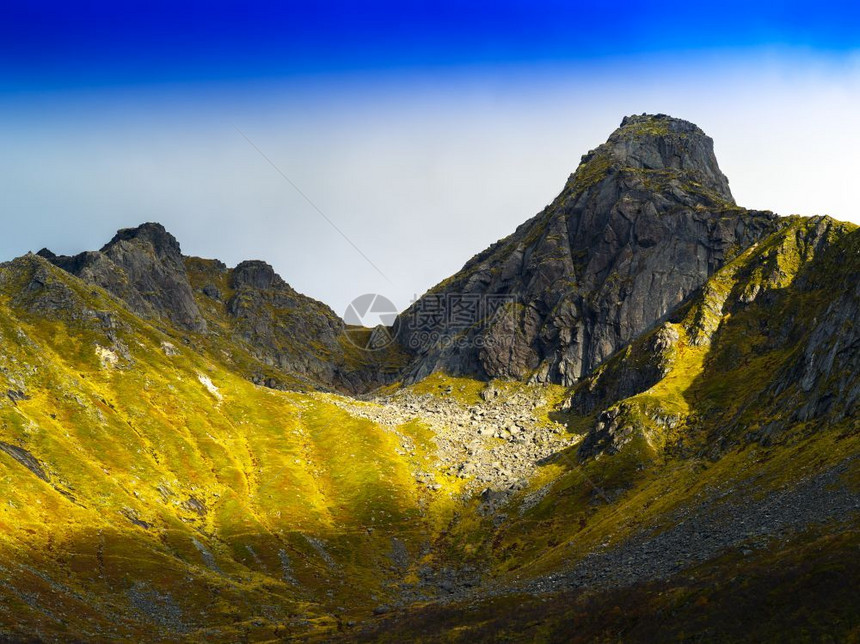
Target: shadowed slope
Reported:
point(148, 489)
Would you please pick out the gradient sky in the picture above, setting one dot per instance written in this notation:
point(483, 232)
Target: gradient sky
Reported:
point(423, 131)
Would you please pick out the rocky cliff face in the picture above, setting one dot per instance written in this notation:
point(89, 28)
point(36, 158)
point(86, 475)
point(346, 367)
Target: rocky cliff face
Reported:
point(823, 377)
point(643, 222)
point(768, 346)
point(288, 333)
point(144, 267)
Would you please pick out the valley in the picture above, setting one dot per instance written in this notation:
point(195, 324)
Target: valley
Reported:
point(655, 432)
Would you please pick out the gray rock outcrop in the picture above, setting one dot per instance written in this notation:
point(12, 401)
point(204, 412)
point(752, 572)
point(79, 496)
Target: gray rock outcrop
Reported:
point(144, 267)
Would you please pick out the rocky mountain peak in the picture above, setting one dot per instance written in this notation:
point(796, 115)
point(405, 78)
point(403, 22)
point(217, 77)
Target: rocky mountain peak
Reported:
point(144, 267)
point(154, 234)
point(643, 222)
point(256, 274)
point(660, 143)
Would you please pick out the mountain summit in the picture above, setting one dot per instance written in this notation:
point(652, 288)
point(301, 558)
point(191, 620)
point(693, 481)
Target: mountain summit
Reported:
point(660, 142)
point(144, 267)
point(642, 223)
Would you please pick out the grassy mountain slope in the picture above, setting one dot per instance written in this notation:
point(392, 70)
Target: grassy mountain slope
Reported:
point(151, 492)
point(148, 489)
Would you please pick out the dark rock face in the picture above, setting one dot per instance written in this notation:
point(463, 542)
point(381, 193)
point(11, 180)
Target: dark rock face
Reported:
point(609, 434)
point(25, 458)
point(255, 274)
point(830, 364)
point(296, 342)
point(664, 143)
point(781, 352)
point(144, 267)
point(285, 329)
point(644, 221)
point(41, 290)
point(643, 366)
point(826, 372)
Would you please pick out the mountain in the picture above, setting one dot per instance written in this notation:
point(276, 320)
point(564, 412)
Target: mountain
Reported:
point(143, 267)
point(274, 335)
point(634, 419)
point(767, 345)
point(643, 222)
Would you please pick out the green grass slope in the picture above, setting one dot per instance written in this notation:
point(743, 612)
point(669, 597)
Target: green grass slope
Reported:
point(149, 491)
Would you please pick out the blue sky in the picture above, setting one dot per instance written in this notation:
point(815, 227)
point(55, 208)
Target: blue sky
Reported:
point(424, 131)
point(62, 45)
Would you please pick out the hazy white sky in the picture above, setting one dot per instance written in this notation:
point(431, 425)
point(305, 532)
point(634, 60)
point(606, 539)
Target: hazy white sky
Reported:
point(419, 172)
